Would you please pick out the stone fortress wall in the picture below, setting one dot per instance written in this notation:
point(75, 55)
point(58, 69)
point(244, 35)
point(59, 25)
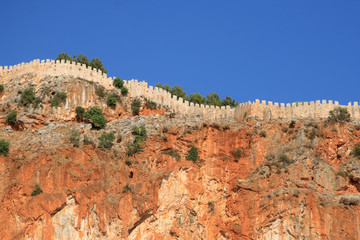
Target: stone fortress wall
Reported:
point(264, 110)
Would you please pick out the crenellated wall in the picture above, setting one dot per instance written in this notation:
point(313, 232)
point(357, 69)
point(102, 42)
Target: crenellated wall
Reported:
point(267, 110)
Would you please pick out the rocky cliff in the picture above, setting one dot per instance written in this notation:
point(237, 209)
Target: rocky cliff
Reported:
point(253, 179)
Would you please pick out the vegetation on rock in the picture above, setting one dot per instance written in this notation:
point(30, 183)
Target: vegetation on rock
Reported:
point(106, 140)
point(28, 97)
point(192, 155)
point(37, 190)
point(58, 99)
point(79, 110)
point(339, 114)
point(118, 83)
point(4, 147)
point(94, 114)
point(11, 118)
point(111, 100)
point(135, 106)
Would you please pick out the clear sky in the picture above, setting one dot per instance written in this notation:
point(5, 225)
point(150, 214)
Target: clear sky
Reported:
point(277, 50)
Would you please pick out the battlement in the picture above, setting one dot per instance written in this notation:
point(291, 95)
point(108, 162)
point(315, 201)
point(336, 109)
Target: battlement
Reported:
point(267, 110)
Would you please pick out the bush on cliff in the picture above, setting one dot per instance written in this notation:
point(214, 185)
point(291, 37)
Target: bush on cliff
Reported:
point(37, 190)
point(118, 83)
point(1, 88)
point(28, 97)
point(4, 147)
point(11, 118)
point(79, 110)
point(81, 58)
point(124, 91)
point(192, 154)
point(106, 140)
point(94, 114)
point(111, 101)
point(135, 106)
point(75, 137)
point(58, 99)
point(100, 91)
point(356, 151)
point(339, 114)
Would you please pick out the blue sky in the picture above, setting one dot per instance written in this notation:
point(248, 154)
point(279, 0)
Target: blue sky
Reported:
point(276, 50)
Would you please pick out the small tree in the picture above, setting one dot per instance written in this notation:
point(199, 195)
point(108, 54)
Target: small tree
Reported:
point(135, 106)
point(37, 190)
point(58, 99)
point(124, 91)
point(192, 154)
point(12, 118)
point(106, 140)
point(79, 110)
point(118, 83)
point(4, 147)
point(75, 137)
point(100, 91)
point(94, 114)
point(339, 114)
point(1, 88)
point(96, 63)
point(111, 100)
point(64, 56)
point(356, 150)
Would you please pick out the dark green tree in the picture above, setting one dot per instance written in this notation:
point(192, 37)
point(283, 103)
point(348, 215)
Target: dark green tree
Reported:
point(96, 63)
point(79, 110)
point(1, 88)
point(196, 98)
point(178, 91)
point(111, 100)
point(124, 91)
point(228, 101)
point(4, 147)
point(81, 58)
point(118, 83)
point(12, 118)
point(94, 114)
point(166, 87)
point(135, 106)
point(213, 99)
point(106, 140)
point(64, 56)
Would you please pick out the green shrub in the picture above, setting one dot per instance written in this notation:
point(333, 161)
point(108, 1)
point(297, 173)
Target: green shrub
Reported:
point(4, 147)
point(118, 83)
point(285, 160)
point(150, 104)
point(135, 106)
point(100, 91)
point(124, 91)
point(237, 153)
point(192, 154)
point(111, 100)
point(28, 97)
point(75, 137)
point(79, 110)
point(87, 141)
point(58, 99)
point(356, 150)
point(339, 114)
point(94, 114)
point(106, 140)
point(127, 188)
point(292, 124)
point(349, 201)
point(263, 134)
point(135, 130)
point(211, 205)
point(133, 148)
point(37, 190)
point(11, 118)
point(172, 153)
point(1, 88)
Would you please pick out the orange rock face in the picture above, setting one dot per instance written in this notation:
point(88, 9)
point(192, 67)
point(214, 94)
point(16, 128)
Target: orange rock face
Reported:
point(251, 180)
point(240, 187)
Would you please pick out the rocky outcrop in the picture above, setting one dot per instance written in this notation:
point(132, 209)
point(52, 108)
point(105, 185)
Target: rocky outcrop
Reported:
point(254, 179)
